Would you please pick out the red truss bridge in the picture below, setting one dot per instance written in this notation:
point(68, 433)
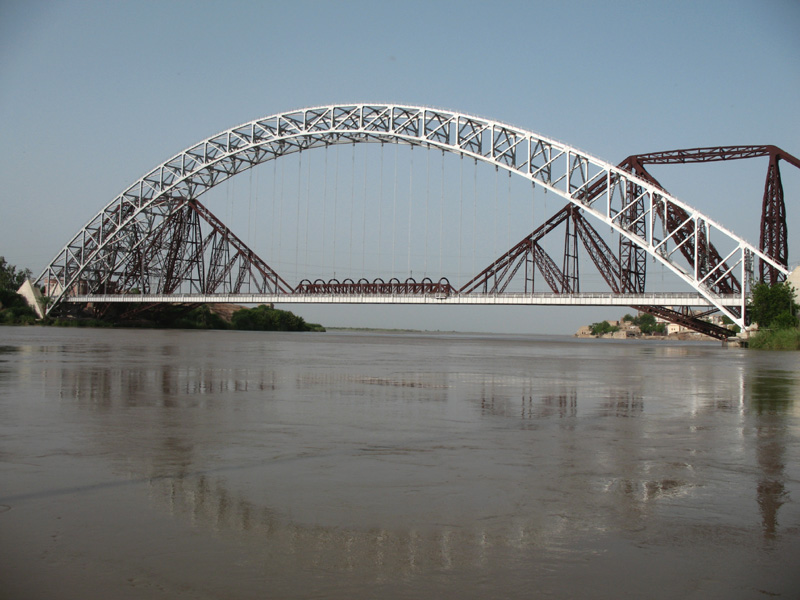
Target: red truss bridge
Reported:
point(157, 243)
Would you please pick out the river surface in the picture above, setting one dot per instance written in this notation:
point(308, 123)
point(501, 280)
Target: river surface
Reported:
point(180, 464)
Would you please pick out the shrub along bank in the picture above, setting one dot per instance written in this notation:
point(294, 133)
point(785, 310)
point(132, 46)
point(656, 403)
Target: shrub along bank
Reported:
point(260, 318)
point(775, 310)
point(15, 311)
point(778, 339)
point(13, 308)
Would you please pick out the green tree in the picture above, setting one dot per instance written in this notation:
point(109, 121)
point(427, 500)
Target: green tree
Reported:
point(647, 323)
point(773, 307)
point(601, 328)
point(13, 308)
point(10, 276)
point(264, 318)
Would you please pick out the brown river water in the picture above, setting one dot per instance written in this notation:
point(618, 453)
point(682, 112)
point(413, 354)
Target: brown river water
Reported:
point(180, 464)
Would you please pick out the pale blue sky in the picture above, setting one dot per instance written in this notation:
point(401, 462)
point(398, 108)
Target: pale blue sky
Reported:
point(94, 94)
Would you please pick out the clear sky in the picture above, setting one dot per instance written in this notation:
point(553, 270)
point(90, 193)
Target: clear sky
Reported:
point(94, 94)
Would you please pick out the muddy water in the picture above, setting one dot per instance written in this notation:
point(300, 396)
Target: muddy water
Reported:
point(152, 464)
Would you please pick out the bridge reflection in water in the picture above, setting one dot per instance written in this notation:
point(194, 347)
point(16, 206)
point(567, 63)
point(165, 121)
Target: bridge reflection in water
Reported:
point(396, 465)
point(263, 497)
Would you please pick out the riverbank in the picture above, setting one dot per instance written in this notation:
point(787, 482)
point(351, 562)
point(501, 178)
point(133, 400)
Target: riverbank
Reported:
point(621, 330)
point(780, 339)
point(205, 316)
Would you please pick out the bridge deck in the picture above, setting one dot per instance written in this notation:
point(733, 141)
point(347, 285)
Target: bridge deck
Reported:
point(542, 299)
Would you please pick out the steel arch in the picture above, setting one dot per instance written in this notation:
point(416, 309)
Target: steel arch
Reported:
point(104, 245)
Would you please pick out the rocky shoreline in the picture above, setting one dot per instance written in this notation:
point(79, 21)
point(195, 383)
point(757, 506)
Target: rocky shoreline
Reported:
point(622, 335)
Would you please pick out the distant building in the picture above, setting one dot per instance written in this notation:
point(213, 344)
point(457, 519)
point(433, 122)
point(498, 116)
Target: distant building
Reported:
point(673, 328)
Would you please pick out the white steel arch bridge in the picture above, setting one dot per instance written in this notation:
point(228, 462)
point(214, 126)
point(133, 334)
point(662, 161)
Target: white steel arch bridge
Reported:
point(146, 245)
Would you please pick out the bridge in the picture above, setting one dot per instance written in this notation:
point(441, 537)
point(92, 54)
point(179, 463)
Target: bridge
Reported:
point(157, 243)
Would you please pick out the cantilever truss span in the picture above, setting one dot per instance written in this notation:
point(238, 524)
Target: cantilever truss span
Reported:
point(773, 239)
point(133, 240)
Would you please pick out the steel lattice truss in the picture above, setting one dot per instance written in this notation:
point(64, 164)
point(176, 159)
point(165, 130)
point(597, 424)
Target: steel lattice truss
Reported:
point(774, 235)
point(529, 253)
point(149, 234)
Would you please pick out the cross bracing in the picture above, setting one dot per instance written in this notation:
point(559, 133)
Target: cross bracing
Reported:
point(133, 238)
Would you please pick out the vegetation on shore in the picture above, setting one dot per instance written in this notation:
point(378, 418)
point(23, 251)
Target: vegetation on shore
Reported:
point(645, 322)
point(774, 308)
point(265, 318)
point(602, 328)
point(778, 339)
point(260, 318)
point(14, 310)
